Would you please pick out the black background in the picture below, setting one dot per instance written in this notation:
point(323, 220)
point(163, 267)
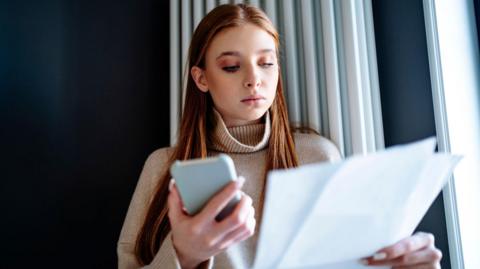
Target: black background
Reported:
point(84, 99)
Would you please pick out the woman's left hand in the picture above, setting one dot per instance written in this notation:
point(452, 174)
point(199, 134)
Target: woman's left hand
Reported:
point(415, 252)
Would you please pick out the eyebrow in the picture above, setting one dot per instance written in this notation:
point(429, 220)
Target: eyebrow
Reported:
point(236, 53)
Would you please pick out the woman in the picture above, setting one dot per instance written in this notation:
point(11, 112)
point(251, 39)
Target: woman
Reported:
point(234, 104)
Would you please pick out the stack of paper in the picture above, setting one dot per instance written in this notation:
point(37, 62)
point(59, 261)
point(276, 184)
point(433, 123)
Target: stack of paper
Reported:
point(331, 215)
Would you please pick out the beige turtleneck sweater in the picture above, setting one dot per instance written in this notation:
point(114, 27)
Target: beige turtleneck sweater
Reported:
point(246, 145)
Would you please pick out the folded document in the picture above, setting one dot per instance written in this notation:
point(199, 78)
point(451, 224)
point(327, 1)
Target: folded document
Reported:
point(330, 215)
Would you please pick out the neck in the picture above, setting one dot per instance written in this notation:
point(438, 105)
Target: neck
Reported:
point(245, 138)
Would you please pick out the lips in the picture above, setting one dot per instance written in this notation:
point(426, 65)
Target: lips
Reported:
point(253, 98)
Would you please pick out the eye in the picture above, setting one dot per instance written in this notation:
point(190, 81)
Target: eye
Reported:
point(267, 65)
point(231, 69)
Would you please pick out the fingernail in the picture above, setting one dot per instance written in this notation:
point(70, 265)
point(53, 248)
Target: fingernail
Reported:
point(170, 185)
point(379, 256)
point(240, 181)
point(364, 261)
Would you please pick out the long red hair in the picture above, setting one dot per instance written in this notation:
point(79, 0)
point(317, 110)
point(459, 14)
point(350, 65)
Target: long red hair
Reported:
point(196, 122)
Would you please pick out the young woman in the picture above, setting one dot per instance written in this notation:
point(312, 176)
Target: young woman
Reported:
point(234, 104)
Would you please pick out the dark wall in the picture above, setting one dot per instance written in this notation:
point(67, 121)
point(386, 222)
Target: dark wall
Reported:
point(477, 16)
point(83, 101)
point(405, 90)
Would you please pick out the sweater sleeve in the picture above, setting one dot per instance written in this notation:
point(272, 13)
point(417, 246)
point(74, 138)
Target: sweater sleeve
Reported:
point(166, 257)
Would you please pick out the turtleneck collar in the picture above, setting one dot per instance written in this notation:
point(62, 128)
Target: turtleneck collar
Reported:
point(239, 139)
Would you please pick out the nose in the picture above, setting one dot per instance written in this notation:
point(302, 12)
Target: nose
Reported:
point(252, 78)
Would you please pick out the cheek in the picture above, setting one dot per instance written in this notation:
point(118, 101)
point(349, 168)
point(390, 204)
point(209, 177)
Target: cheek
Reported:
point(217, 82)
point(221, 88)
point(272, 82)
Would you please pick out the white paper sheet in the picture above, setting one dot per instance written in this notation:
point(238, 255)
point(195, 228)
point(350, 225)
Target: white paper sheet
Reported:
point(331, 215)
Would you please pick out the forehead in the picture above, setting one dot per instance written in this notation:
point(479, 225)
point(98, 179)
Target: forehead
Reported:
point(245, 39)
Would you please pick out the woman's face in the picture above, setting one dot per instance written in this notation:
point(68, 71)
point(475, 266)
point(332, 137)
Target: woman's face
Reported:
point(241, 73)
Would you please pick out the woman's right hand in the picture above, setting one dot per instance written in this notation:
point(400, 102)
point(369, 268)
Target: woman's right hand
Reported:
point(199, 237)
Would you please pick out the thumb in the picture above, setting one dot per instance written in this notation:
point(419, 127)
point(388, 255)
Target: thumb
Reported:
point(175, 205)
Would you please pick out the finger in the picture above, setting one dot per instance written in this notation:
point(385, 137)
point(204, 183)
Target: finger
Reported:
point(246, 226)
point(420, 266)
point(237, 218)
point(241, 236)
point(428, 255)
point(230, 239)
point(221, 199)
point(410, 244)
point(240, 233)
point(175, 205)
point(249, 231)
point(251, 223)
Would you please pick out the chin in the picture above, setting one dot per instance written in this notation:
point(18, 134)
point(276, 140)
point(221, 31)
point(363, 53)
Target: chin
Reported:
point(255, 114)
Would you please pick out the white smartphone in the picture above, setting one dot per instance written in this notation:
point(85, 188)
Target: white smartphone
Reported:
point(198, 180)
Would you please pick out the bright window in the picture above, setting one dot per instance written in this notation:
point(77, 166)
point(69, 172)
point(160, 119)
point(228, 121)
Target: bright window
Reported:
point(454, 64)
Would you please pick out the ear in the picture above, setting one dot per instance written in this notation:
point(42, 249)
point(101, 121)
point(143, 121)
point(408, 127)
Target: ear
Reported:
point(198, 76)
